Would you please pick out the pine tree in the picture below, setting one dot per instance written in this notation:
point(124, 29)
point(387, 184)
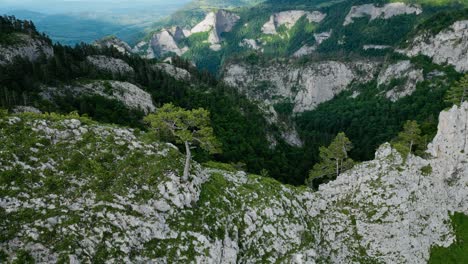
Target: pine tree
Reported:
point(334, 160)
point(189, 127)
point(459, 92)
point(409, 137)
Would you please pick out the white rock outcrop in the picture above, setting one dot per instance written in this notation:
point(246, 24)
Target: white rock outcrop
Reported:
point(307, 50)
point(129, 94)
point(306, 86)
point(114, 42)
point(450, 46)
point(110, 64)
point(388, 210)
point(216, 23)
point(405, 71)
point(178, 73)
point(27, 48)
point(164, 42)
point(289, 19)
point(385, 12)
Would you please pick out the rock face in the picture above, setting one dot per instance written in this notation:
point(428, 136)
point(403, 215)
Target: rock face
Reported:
point(216, 23)
point(449, 46)
point(109, 64)
point(404, 71)
point(177, 73)
point(306, 49)
point(289, 19)
point(385, 12)
point(27, 47)
point(306, 86)
point(389, 210)
point(164, 42)
point(129, 94)
point(115, 42)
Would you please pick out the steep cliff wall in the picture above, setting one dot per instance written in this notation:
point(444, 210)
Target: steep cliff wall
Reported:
point(450, 46)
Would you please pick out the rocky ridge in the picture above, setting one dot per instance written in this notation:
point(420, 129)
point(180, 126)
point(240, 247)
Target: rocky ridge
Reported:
point(114, 42)
point(129, 94)
point(450, 46)
point(391, 210)
point(29, 48)
point(110, 64)
point(404, 71)
point(178, 73)
point(289, 19)
point(385, 12)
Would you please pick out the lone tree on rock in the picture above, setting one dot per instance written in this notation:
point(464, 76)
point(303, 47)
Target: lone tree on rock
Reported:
point(188, 127)
point(334, 160)
point(409, 137)
point(459, 92)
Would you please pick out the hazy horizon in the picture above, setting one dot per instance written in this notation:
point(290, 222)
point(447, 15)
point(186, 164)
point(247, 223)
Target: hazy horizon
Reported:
point(74, 21)
point(79, 6)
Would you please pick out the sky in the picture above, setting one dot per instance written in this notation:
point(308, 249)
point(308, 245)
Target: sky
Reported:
point(74, 6)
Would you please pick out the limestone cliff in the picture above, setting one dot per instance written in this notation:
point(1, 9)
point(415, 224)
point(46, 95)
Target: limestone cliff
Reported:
point(449, 46)
point(385, 12)
point(289, 19)
point(305, 85)
point(216, 23)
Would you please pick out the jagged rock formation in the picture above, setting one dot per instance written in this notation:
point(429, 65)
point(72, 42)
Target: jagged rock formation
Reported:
point(390, 210)
point(306, 49)
point(115, 42)
point(450, 46)
point(26, 47)
point(178, 73)
point(109, 64)
point(385, 12)
point(164, 42)
point(404, 71)
point(216, 23)
point(129, 94)
point(289, 19)
point(306, 86)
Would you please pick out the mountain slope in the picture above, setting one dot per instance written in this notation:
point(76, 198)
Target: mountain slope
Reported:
point(79, 191)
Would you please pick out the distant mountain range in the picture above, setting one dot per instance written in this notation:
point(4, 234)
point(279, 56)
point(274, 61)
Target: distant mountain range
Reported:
point(73, 25)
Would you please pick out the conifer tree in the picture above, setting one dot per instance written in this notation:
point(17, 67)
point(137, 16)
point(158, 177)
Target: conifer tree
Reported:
point(459, 92)
point(334, 159)
point(409, 137)
point(189, 127)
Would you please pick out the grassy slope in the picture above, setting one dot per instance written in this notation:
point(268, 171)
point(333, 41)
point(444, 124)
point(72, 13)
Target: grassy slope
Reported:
point(458, 251)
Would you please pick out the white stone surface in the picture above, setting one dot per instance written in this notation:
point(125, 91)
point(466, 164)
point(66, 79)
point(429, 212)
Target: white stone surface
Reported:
point(110, 64)
point(402, 70)
point(381, 211)
point(385, 12)
point(289, 19)
point(27, 48)
point(216, 23)
point(306, 85)
point(450, 46)
point(177, 73)
point(116, 43)
point(129, 94)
